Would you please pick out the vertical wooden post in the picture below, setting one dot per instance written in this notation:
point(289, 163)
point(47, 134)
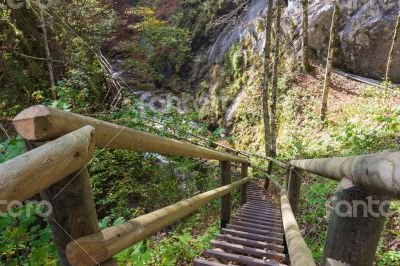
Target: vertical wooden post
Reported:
point(266, 179)
point(74, 213)
point(287, 178)
point(355, 226)
point(294, 188)
point(243, 188)
point(226, 200)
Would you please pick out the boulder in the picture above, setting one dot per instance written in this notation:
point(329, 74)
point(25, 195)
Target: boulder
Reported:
point(366, 32)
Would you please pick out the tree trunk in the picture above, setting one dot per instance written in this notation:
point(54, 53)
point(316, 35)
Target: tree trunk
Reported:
point(265, 91)
point(329, 62)
point(275, 83)
point(48, 56)
point(390, 56)
point(304, 30)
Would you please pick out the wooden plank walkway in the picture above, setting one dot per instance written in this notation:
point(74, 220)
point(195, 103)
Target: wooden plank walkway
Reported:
point(254, 235)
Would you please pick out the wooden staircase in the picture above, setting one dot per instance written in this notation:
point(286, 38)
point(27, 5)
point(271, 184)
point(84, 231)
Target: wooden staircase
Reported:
point(254, 235)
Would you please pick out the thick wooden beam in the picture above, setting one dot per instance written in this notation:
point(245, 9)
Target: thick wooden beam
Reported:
point(226, 200)
point(74, 212)
point(266, 181)
point(378, 173)
point(105, 244)
point(299, 253)
point(294, 186)
point(243, 189)
point(28, 174)
point(355, 226)
point(287, 177)
point(73, 208)
point(40, 123)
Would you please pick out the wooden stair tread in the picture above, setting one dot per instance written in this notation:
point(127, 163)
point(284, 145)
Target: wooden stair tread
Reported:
point(251, 243)
point(262, 227)
point(255, 231)
point(202, 262)
point(248, 250)
point(246, 260)
point(253, 236)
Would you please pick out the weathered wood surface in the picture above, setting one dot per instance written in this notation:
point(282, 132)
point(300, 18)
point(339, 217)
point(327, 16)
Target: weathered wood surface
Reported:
point(105, 244)
point(293, 190)
point(30, 173)
point(40, 123)
point(246, 244)
point(243, 189)
point(355, 226)
point(299, 253)
point(377, 173)
point(74, 212)
point(226, 200)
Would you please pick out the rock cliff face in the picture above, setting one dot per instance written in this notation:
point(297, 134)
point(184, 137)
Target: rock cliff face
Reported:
point(249, 24)
point(366, 30)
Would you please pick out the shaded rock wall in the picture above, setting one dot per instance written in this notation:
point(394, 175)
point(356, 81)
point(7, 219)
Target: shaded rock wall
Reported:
point(366, 31)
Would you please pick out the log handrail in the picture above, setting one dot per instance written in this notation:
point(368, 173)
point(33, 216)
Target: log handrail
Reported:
point(299, 253)
point(97, 248)
point(28, 174)
point(378, 173)
point(41, 123)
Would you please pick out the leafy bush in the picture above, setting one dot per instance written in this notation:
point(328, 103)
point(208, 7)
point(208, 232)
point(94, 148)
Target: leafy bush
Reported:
point(26, 239)
point(11, 148)
point(163, 46)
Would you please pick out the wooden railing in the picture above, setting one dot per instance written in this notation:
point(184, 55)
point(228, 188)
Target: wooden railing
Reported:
point(62, 145)
point(369, 181)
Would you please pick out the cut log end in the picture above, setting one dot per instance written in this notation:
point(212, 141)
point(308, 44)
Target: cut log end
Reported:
point(25, 122)
point(86, 252)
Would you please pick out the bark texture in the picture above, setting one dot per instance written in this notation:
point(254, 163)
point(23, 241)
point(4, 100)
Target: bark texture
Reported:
point(265, 85)
point(390, 56)
point(329, 62)
point(304, 39)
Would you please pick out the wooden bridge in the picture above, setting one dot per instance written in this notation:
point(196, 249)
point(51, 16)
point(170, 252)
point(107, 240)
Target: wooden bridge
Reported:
point(260, 233)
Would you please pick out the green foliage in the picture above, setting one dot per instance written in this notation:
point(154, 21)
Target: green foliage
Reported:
point(161, 49)
point(368, 126)
point(106, 222)
point(138, 254)
point(24, 78)
point(11, 148)
point(74, 91)
point(178, 247)
point(26, 239)
point(315, 193)
point(391, 257)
